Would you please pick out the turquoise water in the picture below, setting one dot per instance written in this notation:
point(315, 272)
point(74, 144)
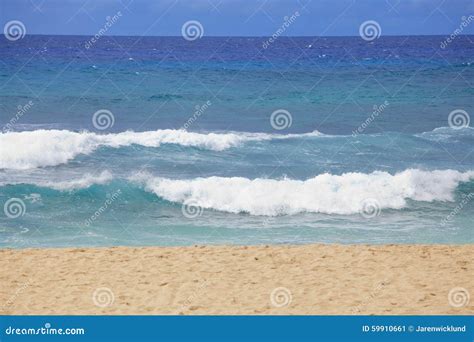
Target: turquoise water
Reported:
point(220, 141)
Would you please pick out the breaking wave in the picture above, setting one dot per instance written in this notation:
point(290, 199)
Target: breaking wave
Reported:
point(83, 182)
point(344, 194)
point(40, 148)
point(444, 134)
point(326, 193)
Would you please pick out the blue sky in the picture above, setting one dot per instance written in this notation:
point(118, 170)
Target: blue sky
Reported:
point(238, 17)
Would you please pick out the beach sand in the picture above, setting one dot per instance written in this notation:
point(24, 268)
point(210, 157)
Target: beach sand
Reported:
point(308, 279)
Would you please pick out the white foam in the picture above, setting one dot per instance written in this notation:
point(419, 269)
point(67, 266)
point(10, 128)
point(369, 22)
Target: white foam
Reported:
point(30, 149)
point(446, 133)
point(40, 148)
point(83, 182)
point(326, 193)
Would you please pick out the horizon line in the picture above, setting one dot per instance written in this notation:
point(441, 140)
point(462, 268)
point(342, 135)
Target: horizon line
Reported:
point(237, 36)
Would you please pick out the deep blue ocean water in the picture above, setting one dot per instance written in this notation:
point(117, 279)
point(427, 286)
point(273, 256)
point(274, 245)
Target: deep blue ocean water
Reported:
point(184, 149)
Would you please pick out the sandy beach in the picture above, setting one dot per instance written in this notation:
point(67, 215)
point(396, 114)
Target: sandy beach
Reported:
point(309, 279)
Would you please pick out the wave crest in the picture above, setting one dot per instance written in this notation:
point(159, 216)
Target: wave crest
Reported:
point(40, 148)
point(443, 134)
point(87, 180)
point(330, 194)
point(345, 194)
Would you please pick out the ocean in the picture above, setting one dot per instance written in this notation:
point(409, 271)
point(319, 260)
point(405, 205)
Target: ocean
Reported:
point(229, 140)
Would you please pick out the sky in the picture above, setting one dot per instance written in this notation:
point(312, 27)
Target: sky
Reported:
point(238, 17)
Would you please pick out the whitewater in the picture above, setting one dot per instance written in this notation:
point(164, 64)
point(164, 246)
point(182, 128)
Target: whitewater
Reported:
point(314, 151)
point(344, 194)
point(30, 149)
point(42, 148)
